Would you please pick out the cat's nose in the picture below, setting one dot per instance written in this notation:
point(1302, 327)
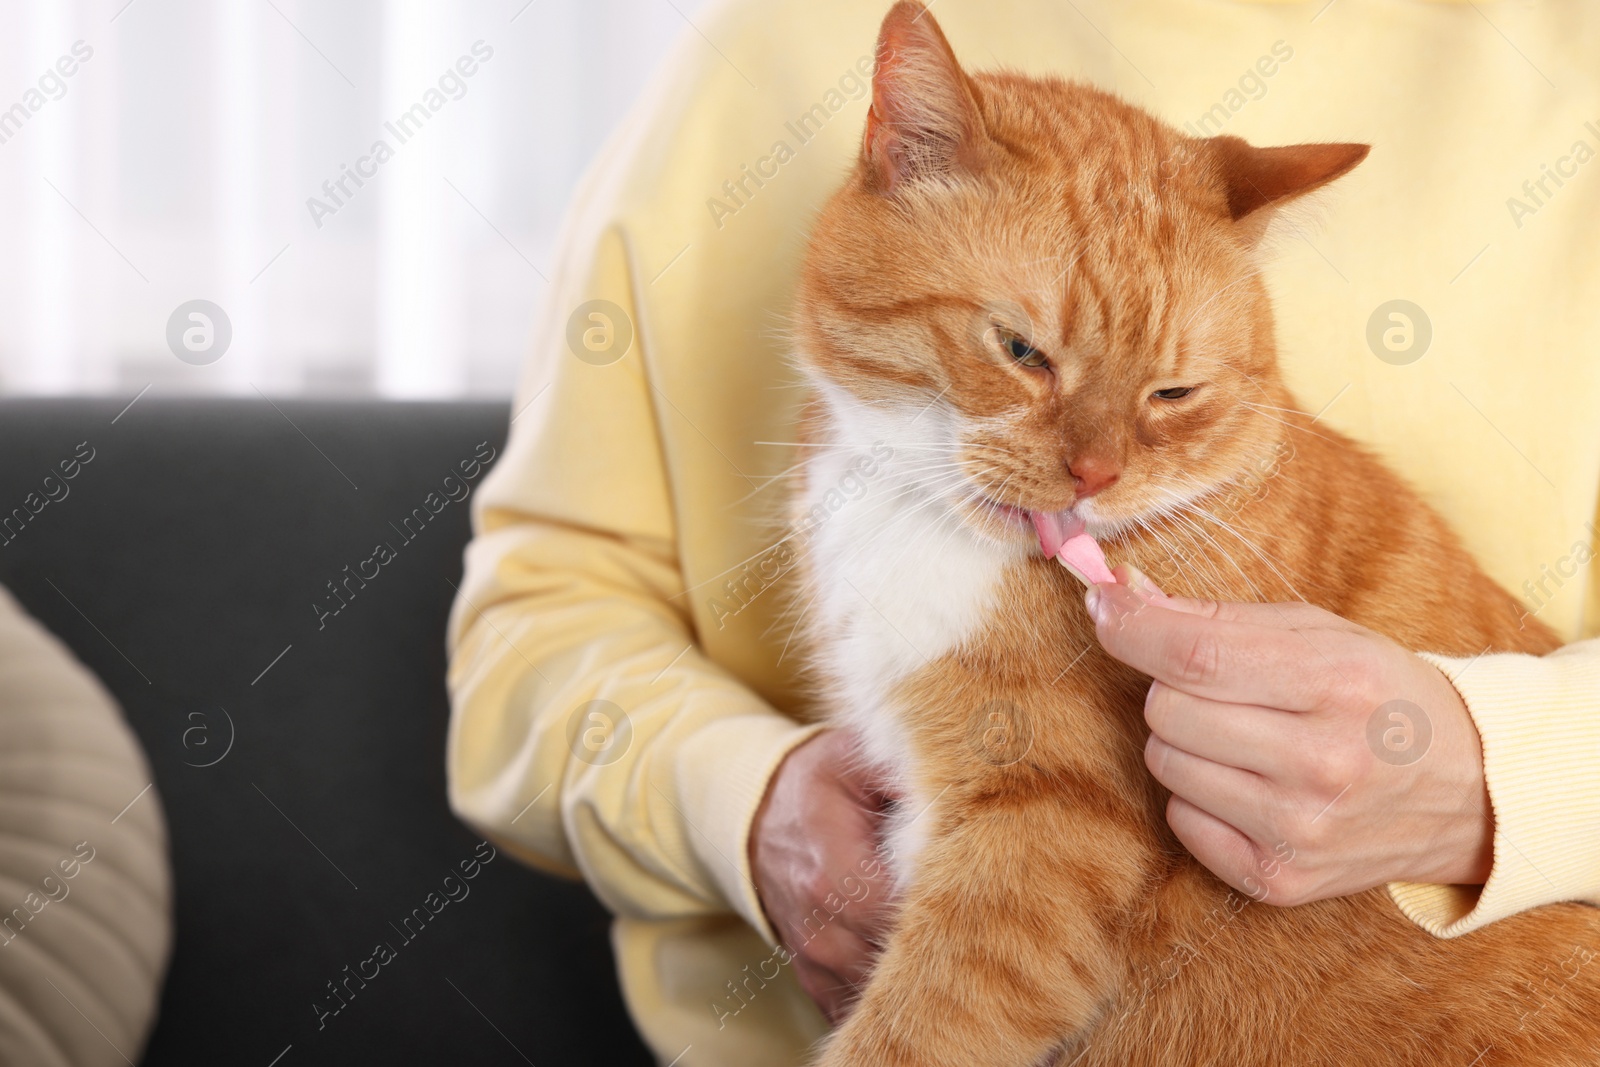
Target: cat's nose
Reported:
point(1090, 474)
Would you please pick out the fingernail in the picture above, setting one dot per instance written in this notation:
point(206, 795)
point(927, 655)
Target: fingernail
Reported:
point(1143, 585)
point(1095, 601)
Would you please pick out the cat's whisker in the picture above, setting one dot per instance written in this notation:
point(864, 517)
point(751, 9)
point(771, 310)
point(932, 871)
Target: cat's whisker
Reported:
point(1222, 552)
point(830, 445)
point(1186, 512)
point(1267, 414)
point(1173, 503)
point(903, 447)
point(791, 471)
point(936, 495)
point(1274, 407)
point(1201, 570)
point(934, 490)
point(737, 566)
point(988, 504)
point(1265, 559)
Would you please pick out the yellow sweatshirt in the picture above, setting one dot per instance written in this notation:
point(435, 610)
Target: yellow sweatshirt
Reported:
point(619, 690)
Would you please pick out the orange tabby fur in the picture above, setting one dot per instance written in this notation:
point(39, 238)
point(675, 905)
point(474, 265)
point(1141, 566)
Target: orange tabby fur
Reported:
point(1051, 912)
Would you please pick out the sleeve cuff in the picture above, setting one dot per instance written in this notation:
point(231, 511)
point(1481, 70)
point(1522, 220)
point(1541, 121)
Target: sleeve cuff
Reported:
point(724, 770)
point(1539, 718)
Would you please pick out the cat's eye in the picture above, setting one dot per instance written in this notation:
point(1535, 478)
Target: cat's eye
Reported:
point(1024, 353)
point(1173, 394)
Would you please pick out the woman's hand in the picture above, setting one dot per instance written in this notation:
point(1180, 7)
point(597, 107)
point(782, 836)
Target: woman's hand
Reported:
point(1308, 757)
point(818, 870)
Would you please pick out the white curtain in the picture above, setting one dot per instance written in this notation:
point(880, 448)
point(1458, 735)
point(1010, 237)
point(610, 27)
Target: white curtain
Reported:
point(368, 189)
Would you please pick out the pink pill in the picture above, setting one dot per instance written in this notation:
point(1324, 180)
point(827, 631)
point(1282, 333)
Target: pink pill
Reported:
point(1062, 537)
point(1082, 556)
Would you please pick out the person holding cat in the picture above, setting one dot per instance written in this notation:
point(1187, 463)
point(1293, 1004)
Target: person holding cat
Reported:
point(623, 708)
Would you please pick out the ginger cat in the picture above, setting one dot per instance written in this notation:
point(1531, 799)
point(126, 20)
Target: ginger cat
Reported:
point(1047, 304)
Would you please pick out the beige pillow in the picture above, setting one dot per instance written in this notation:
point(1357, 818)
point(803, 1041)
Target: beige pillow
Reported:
point(85, 887)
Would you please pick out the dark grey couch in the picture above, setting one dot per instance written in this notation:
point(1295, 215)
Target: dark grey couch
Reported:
point(300, 754)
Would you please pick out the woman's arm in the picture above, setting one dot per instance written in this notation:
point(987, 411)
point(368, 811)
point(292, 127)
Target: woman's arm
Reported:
point(1539, 718)
point(572, 594)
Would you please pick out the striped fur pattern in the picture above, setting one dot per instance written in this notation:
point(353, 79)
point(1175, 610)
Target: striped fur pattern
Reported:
point(1049, 915)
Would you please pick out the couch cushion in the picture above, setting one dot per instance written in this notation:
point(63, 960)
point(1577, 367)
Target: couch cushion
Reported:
point(85, 893)
point(299, 750)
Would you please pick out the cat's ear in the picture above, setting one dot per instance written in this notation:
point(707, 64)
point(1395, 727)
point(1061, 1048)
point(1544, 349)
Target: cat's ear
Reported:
point(1256, 178)
point(924, 119)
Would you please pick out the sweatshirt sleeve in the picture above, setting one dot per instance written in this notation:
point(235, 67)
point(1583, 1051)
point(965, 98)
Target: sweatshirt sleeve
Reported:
point(1539, 717)
point(589, 735)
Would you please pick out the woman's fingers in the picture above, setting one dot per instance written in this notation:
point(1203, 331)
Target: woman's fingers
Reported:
point(1246, 736)
point(1223, 850)
point(1301, 748)
point(1219, 657)
point(1246, 797)
point(817, 868)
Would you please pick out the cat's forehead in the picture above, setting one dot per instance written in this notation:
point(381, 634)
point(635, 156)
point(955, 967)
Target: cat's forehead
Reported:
point(1092, 267)
point(1116, 299)
point(1068, 124)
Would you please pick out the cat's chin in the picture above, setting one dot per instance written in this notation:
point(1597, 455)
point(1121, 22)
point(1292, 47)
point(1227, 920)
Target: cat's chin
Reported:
point(1002, 525)
point(1011, 527)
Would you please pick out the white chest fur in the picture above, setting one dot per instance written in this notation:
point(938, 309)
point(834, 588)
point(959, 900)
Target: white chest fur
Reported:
point(896, 580)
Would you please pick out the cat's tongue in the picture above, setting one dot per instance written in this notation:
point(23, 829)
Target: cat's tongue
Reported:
point(1054, 528)
point(1062, 538)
